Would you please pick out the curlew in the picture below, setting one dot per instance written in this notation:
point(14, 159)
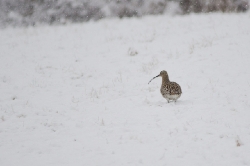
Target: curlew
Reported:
point(169, 90)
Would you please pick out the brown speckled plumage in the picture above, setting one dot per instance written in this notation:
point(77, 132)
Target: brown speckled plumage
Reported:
point(169, 90)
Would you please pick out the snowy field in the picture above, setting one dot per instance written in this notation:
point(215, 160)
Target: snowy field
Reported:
point(78, 95)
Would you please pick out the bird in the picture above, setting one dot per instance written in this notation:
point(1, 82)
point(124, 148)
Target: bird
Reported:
point(169, 90)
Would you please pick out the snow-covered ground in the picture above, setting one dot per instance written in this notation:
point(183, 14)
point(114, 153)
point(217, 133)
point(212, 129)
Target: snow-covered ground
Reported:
point(78, 95)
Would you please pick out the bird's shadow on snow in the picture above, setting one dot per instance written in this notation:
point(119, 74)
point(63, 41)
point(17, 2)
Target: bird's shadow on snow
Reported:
point(172, 103)
point(184, 102)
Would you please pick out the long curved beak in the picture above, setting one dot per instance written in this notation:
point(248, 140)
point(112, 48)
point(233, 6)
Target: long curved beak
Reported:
point(153, 78)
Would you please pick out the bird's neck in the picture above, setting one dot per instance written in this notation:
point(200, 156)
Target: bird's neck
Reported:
point(165, 79)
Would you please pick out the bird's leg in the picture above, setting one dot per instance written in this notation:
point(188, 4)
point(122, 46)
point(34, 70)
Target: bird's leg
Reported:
point(168, 101)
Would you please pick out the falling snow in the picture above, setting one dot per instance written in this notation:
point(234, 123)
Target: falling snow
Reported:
point(79, 94)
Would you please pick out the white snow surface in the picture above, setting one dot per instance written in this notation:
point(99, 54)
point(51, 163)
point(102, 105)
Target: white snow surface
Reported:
point(78, 95)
